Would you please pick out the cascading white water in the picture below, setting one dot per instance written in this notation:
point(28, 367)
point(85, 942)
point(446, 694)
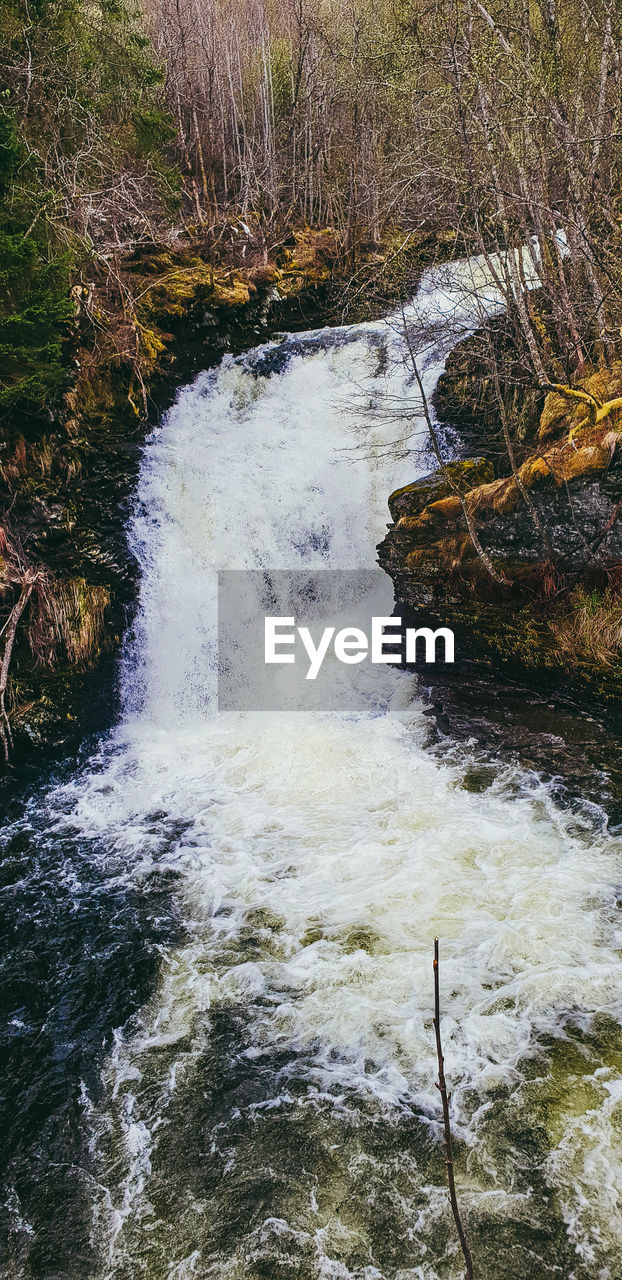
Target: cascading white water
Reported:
point(280, 1081)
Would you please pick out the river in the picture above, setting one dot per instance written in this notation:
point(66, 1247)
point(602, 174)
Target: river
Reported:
point(218, 979)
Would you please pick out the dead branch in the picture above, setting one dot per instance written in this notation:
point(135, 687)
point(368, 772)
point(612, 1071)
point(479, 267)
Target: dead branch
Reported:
point(442, 1088)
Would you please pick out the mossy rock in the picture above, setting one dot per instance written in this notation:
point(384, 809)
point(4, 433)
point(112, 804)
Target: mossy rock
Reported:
point(563, 416)
point(311, 260)
point(466, 397)
point(466, 474)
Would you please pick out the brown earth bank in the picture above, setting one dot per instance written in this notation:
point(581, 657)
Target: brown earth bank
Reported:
point(144, 325)
point(556, 620)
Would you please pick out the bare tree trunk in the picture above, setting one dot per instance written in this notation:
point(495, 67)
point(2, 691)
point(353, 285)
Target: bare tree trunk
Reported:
point(28, 582)
point(525, 494)
point(197, 135)
point(517, 285)
point(496, 574)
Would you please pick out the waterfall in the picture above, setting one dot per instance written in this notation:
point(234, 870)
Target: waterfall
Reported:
point(269, 1110)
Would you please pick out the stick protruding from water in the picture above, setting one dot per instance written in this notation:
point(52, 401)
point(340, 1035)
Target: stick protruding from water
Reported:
point(442, 1088)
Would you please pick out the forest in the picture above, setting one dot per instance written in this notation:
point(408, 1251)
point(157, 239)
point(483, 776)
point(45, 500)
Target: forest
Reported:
point(245, 120)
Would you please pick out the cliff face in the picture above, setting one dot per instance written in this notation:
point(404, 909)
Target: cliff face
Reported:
point(573, 476)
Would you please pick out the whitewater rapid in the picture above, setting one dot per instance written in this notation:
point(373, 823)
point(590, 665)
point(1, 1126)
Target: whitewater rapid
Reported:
point(270, 1110)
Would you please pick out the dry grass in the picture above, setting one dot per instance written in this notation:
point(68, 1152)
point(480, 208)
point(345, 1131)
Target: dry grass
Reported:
point(591, 629)
point(81, 620)
point(66, 616)
point(14, 468)
point(69, 616)
point(63, 618)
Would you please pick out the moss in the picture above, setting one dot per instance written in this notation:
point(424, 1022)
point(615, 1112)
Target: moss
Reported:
point(561, 463)
point(534, 471)
point(234, 293)
point(470, 471)
point(412, 499)
point(311, 260)
point(520, 635)
point(578, 462)
point(555, 416)
point(563, 416)
point(445, 510)
point(171, 295)
point(152, 345)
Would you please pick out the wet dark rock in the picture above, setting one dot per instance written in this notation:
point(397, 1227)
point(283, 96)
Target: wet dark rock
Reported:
point(574, 483)
point(466, 398)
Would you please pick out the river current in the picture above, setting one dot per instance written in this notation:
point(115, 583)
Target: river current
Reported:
point(218, 985)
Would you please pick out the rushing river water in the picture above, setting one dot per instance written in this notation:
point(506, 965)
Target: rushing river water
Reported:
point(218, 982)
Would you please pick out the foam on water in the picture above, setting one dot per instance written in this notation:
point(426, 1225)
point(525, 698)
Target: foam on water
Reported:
point(315, 857)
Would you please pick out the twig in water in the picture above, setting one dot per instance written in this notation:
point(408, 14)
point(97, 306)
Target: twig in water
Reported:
point(442, 1088)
